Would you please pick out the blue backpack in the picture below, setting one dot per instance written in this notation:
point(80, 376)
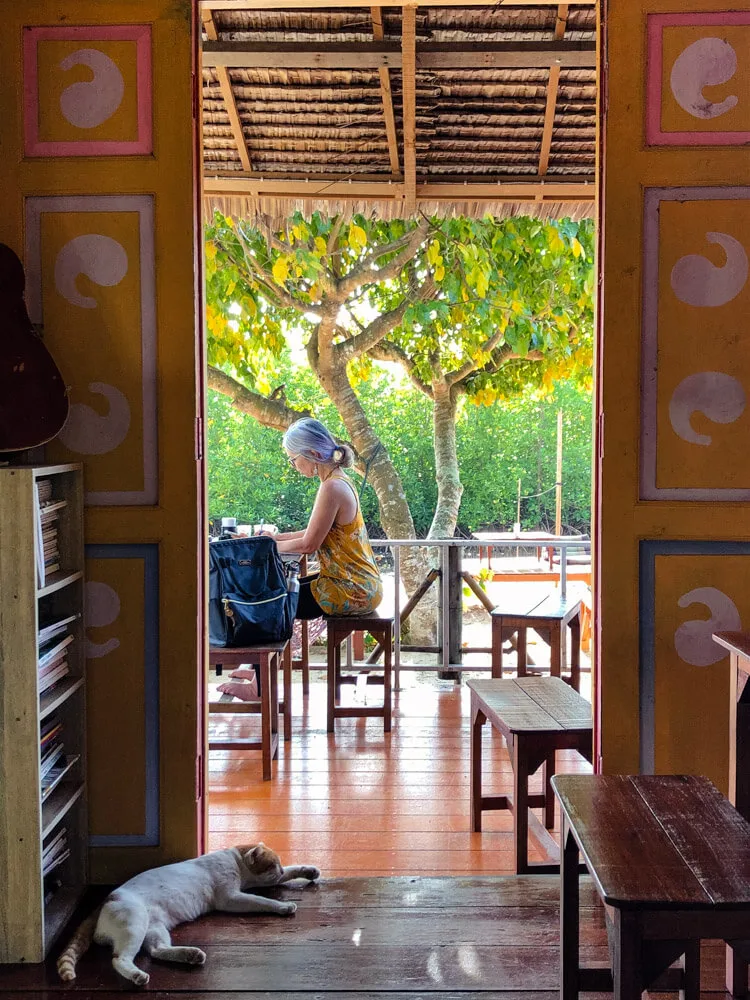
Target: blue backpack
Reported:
point(249, 600)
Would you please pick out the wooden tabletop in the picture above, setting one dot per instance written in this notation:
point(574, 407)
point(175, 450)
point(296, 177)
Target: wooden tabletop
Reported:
point(658, 841)
point(735, 642)
point(538, 704)
point(552, 606)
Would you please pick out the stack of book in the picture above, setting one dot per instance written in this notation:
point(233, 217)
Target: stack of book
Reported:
point(48, 552)
point(55, 852)
point(53, 661)
point(52, 761)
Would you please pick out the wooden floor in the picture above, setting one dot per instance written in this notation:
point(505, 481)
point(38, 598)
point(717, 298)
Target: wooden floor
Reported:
point(368, 803)
point(488, 937)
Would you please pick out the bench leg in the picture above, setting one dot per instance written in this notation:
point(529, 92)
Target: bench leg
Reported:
point(569, 917)
point(331, 678)
point(497, 647)
point(520, 806)
point(691, 965)
point(521, 649)
point(478, 719)
point(387, 685)
point(575, 652)
point(555, 650)
point(549, 794)
point(287, 665)
point(266, 703)
point(627, 968)
point(305, 657)
point(736, 973)
point(275, 664)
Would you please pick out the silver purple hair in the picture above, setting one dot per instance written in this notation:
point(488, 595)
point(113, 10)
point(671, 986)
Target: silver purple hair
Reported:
point(312, 440)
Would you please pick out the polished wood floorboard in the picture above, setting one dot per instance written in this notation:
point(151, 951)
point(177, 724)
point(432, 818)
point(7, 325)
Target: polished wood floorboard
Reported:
point(369, 803)
point(358, 939)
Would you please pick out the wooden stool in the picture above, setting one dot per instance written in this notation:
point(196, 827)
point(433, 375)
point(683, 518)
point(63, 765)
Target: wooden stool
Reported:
point(270, 658)
point(339, 629)
point(549, 618)
point(537, 716)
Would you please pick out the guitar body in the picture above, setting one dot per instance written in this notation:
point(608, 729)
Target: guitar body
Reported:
point(33, 398)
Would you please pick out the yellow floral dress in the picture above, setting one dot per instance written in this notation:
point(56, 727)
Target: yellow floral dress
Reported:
point(349, 581)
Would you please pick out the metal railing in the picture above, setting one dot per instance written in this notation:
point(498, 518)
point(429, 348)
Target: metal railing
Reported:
point(444, 545)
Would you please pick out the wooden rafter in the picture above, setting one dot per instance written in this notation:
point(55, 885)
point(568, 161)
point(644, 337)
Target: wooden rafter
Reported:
point(332, 187)
point(409, 101)
point(387, 96)
point(553, 85)
point(383, 55)
point(323, 4)
point(225, 84)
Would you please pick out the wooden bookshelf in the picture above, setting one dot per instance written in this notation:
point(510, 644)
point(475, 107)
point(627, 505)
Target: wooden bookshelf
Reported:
point(34, 908)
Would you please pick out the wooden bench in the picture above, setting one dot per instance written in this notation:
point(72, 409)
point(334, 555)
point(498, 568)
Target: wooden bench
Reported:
point(339, 629)
point(270, 658)
point(670, 859)
point(549, 616)
point(537, 716)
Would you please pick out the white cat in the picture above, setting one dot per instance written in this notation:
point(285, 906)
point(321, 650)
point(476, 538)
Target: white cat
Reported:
point(142, 912)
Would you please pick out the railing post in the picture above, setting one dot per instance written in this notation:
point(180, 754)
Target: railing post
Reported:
point(397, 616)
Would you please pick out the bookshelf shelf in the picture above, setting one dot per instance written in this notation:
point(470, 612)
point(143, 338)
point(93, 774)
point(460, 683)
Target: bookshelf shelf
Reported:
point(43, 844)
point(51, 700)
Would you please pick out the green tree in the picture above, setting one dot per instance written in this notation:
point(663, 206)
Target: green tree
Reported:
point(468, 307)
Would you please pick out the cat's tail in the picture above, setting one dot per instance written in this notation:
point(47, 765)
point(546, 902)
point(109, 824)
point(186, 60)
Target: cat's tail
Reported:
point(77, 946)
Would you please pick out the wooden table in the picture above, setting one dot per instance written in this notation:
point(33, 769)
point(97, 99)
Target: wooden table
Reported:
point(271, 658)
point(537, 716)
point(670, 859)
point(549, 616)
point(738, 644)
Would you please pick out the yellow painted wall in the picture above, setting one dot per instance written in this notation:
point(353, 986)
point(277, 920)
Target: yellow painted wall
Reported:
point(674, 370)
point(107, 238)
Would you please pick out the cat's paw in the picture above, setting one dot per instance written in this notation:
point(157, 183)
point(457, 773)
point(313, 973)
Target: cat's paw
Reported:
point(140, 978)
point(287, 909)
point(194, 956)
point(310, 872)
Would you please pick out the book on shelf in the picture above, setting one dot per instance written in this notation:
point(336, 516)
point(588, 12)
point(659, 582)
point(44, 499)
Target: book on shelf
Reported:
point(49, 866)
point(50, 650)
point(50, 679)
point(55, 843)
point(51, 760)
point(50, 630)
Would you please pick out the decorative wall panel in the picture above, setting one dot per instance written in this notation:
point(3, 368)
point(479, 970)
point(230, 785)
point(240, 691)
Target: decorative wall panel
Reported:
point(90, 273)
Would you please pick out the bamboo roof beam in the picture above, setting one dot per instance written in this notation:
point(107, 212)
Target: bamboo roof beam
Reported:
point(409, 99)
point(225, 85)
point(325, 4)
point(387, 96)
point(383, 55)
point(553, 85)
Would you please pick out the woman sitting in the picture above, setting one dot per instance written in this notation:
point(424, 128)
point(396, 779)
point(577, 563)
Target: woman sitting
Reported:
point(349, 581)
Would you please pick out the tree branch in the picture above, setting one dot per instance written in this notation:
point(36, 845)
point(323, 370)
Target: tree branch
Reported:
point(269, 412)
point(364, 273)
point(386, 350)
point(471, 366)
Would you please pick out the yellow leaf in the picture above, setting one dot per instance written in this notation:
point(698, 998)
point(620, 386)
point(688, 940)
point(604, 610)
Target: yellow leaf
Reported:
point(231, 287)
point(280, 271)
point(250, 306)
point(230, 221)
point(439, 272)
point(433, 252)
point(517, 307)
point(357, 237)
point(576, 247)
point(320, 245)
point(210, 250)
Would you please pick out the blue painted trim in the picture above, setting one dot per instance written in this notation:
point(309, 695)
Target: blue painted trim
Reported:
point(149, 554)
point(649, 550)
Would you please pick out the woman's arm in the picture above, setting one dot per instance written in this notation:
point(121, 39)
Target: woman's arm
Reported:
point(324, 513)
point(286, 535)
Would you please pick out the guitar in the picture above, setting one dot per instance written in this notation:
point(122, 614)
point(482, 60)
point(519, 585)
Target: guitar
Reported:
point(33, 397)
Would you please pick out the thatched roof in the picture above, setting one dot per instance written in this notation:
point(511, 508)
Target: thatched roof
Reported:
point(469, 109)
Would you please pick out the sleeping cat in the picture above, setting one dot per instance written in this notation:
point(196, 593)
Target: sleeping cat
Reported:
point(142, 912)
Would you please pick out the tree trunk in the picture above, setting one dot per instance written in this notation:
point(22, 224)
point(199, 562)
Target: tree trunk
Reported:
point(395, 515)
point(446, 462)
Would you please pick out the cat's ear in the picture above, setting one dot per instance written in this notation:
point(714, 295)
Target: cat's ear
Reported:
point(249, 854)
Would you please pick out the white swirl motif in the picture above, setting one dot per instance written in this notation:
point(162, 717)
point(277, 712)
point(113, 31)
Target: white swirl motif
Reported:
point(101, 607)
point(706, 63)
point(87, 432)
point(692, 640)
point(90, 102)
point(717, 395)
point(100, 258)
point(698, 282)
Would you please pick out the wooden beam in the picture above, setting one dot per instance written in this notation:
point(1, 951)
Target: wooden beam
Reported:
point(383, 55)
point(325, 4)
point(225, 85)
point(553, 85)
point(327, 187)
point(387, 96)
point(409, 100)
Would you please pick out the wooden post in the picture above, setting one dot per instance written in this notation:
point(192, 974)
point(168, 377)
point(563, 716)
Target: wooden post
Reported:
point(454, 584)
point(558, 475)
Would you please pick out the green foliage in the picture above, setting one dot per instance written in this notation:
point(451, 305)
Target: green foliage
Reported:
point(250, 478)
